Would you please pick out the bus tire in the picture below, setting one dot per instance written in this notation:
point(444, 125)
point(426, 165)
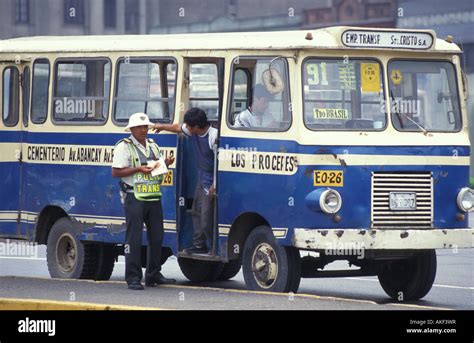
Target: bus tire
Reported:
point(105, 262)
point(268, 266)
point(198, 270)
point(67, 257)
point(230, 269)
point(409, 279)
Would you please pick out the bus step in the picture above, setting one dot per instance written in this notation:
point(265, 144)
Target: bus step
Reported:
point(204, 257)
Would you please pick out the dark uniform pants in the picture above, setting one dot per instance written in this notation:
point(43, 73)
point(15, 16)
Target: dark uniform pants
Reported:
point(136, 213)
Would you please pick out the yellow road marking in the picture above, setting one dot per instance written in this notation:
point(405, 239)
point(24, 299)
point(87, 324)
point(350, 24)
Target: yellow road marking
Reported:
point(16, 304)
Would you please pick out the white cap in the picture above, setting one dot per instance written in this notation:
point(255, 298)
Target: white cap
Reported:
point(138, 119)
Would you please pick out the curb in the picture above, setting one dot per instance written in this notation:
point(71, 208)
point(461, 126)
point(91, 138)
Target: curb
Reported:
point(12, 304)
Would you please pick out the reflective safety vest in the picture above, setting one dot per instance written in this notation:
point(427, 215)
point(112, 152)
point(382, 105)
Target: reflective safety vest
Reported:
point(145, 186)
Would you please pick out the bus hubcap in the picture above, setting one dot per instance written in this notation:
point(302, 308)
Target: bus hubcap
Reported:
point(66, 253)
point(264, 265)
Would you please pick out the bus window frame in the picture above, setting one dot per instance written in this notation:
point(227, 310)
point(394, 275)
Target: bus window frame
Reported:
point(145, 59)
point(26, 86)
point(358, 58)
point(231, 93)
point(17, 116)
point(79, 123)
point(457, 90)
point(191, 61)
point(249, 84)
point(40, 60)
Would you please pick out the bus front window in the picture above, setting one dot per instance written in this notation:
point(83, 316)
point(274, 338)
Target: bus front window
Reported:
point(343, 94)
point(424, 96)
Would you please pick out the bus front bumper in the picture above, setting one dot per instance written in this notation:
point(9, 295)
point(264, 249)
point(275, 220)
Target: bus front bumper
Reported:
point(375, 239)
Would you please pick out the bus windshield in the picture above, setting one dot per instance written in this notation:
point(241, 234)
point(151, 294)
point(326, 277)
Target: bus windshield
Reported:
point(343, 94)
point(424, 96)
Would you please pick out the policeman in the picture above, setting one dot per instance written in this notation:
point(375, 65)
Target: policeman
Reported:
point(142, 204)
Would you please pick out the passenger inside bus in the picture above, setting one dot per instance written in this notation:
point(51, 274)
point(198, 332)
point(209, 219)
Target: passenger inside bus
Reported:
point(253, 115)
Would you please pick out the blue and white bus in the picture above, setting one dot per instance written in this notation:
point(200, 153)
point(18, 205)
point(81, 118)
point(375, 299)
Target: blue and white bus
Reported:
point(362, 153)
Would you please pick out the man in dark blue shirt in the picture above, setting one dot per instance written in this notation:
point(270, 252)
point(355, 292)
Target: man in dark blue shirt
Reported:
point(203, 137)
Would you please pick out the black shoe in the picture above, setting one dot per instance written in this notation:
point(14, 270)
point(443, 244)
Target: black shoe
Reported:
point(160, 281)
point(196, 250)
point(136, 286)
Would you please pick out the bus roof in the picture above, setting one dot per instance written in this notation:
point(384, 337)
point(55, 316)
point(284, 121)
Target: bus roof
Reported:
point(325, 38)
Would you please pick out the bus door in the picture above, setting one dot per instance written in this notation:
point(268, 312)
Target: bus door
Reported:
point(15, 104)
point(203, 88)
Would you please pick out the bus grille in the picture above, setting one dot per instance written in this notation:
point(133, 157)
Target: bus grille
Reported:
point(384, 183)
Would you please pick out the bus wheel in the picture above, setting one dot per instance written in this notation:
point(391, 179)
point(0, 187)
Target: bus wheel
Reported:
point(268, 266)
point(198, 270)
point(67, 257)
point(409, 279)
point(105, 262)
point(230, 269)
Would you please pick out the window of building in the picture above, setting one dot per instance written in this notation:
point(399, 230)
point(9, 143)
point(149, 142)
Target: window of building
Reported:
point(11, 96)
point(22, 11)
point(146, 86)
point(110, 13)
point(74, 12)
point(131, 16)
point(81, 90)
point(39, 92)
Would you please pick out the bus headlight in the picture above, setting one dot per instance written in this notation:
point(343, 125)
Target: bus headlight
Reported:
point(330, 201)
point(465, 199)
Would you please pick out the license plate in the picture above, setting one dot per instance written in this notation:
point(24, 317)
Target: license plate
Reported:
point(402, 201)
point(334, 178)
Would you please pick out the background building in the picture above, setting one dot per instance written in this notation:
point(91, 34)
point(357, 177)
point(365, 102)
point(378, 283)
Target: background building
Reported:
point(77, 17)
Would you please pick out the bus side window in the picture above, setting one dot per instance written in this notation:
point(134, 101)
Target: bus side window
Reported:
point(26, 96)
point(145, 86)
point(11, 96)
point(81, 90)
point(253, 106)
point(204, 89)
point(39, 91)
point(242, 82)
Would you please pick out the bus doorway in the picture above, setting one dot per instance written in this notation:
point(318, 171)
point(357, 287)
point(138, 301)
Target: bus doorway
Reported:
point(204, 84)
point(15, 104)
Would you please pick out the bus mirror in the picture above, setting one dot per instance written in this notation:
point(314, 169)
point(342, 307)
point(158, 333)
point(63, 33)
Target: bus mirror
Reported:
point(440, 97)
point(443, 96)
point(273, 81)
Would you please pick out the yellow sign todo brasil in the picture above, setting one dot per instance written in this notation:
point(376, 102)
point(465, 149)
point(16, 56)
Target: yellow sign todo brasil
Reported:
point(330, 113)
point(370, 77)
